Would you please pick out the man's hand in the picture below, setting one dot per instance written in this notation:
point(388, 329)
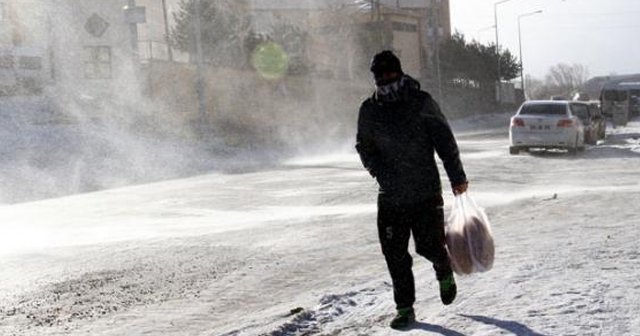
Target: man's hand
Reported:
point(460, 188)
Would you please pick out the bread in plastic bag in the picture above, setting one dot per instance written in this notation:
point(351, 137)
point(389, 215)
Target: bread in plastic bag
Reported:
point(469, 239)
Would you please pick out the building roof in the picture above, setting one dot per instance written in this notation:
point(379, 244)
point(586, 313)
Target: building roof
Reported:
point(596, 84)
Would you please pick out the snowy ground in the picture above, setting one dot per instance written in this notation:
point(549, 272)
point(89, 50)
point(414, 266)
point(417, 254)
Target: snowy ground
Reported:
point(45, 154)
point(238, 254)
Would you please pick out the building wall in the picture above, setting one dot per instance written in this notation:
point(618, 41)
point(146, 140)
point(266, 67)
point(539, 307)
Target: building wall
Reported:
point(435, 27)
point(91, 47)
point(24, 68)
point(300, 111)
point(441, 17)
point(406, 42)
point(438, 28)
point(333, 48)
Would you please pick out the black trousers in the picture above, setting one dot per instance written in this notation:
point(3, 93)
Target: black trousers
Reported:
point(396, 223)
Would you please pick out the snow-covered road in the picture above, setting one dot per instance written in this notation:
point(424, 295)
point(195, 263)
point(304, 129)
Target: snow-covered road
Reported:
point(238, 254)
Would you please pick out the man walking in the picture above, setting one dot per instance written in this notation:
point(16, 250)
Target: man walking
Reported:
point(399, 129)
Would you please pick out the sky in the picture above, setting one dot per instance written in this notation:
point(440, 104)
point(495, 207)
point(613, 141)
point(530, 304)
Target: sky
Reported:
point(604, 35)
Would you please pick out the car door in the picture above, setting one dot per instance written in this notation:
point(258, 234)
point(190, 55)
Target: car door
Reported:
point(581, 113)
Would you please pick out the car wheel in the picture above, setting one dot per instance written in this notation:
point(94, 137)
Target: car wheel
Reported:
point(514, 150)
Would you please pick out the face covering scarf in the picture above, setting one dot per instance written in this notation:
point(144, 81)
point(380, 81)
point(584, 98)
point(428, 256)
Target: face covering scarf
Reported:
point(392, 92)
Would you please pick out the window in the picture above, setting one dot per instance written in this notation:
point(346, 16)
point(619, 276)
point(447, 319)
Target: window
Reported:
point(30, 62)
point(544, 109)
point(97, 62)
point(581, 111)
point(405, 27)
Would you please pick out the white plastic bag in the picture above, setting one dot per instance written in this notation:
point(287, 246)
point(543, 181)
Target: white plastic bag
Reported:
point(469, 238)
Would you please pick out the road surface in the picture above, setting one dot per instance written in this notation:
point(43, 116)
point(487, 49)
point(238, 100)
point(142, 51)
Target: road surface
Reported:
point(293, 251)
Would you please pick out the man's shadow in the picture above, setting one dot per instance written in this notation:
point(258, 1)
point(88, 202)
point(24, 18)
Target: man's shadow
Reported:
point(516, 328)
point(435, 329)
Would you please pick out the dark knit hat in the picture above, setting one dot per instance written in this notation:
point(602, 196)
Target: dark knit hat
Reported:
point(385, 61)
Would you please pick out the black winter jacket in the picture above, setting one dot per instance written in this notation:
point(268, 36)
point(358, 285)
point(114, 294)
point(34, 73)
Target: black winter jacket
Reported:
point(396, 142)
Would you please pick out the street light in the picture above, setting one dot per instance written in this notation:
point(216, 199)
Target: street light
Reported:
point(520, 45)
point(495, 20)
point(200, 83)
point(482, 30)
point(166, 30)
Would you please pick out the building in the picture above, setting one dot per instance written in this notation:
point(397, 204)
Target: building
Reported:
point(24, 68)
point(93, 54)
point(340, 29)
point(334, 28)
point(435, 27)
point(594, 86)
point(79, 46)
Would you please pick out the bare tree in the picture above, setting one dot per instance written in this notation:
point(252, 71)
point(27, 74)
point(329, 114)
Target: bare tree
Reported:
point(536, 88)
point(567, 79)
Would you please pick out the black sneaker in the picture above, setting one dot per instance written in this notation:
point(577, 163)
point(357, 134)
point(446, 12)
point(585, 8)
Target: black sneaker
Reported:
point(404, 318)
point(448, 289)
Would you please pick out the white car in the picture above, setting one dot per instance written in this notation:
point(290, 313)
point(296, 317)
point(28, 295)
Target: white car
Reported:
point(548, 125)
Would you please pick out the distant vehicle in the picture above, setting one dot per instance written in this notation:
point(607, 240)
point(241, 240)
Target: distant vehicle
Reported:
point(621, 101)
point(548, 125)
point(591, 129)
point(598, 118)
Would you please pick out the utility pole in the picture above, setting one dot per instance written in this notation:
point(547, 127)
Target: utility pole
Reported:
point(51, 43)
point(495, 19)
point(376, 16)
point(520, 46)
point(478, 37)
point(200, 85)
point(166, 30)
point(373, 10)
point(437, 50)
point(133, 30)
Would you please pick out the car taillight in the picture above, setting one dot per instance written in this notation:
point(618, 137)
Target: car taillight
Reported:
point(565, 123)
point(516, 122)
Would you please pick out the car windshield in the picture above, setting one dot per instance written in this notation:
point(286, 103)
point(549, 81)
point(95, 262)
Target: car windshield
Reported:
point(582, 111)
point(582, 114)
point(544, 109)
